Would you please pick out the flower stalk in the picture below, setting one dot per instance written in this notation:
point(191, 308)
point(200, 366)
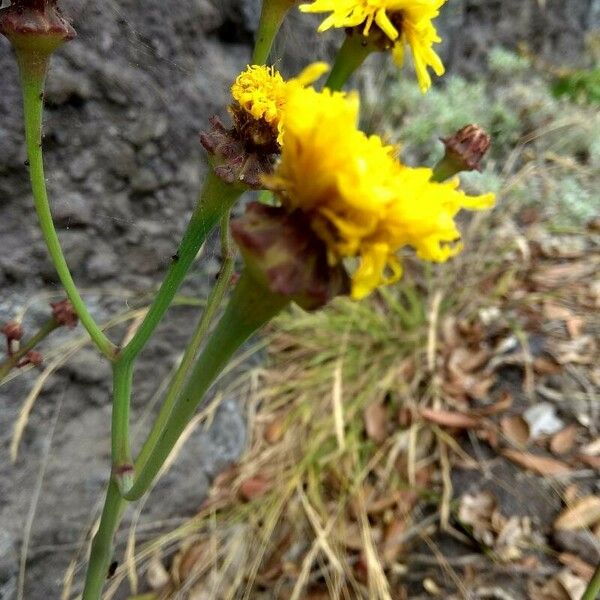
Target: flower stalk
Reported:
point(216, 200)
point(271, 18)
point(250, 307)
point(33, 70)
point(352, 54)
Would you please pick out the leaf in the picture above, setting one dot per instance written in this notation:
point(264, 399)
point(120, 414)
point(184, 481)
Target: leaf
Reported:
point(584, 513)
point(577, 565)
point(502, 404)
point(447, 418)
point(516, 429)
point(376, 421)
point(590, 461)
point(393, 541)
point(563, 441)
point(538, 464)
point(192, 560)
point(254, 487)
point(274, 430)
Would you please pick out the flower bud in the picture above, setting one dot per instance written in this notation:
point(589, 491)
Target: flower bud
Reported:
point(64, 314)
point(33, 357)
point(13, 331)
point(282, 253)
point(467, 147)
point(233, 161)
point(35, 26)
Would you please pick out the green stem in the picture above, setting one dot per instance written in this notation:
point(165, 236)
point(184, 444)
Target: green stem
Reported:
point(216, 199)
point(445, 168)
point(350, 57)
point(122, 463)
point(213, 303)
point(592, 592)
point(250, 307)
point(33, 74)
point(12, 361)
point(103, 545)
point(271, 17)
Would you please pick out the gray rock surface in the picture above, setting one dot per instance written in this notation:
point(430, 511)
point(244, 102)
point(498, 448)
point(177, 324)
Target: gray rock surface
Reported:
point(125, 103)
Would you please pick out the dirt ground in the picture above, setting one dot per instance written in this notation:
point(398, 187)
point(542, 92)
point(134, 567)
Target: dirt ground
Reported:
point(125, 103)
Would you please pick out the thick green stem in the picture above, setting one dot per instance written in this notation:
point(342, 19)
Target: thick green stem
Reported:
point(271, 17)
point(592, 591)
point(33, 74)
point(103, 545)
point(216, 199)
point(213, 303)
point(350, 57)
point(12, 361)
point(250, 307)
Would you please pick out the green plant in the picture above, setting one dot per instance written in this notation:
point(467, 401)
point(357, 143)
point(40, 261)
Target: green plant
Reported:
point(338, 236)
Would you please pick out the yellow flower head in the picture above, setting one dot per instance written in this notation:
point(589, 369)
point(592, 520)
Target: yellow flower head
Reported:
point(359, 199)
point(262, 92)
point(403, 22)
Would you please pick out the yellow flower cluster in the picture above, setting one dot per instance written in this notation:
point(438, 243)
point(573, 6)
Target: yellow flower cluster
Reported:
point(404, 22)
point(359, 198)
point(262, 92)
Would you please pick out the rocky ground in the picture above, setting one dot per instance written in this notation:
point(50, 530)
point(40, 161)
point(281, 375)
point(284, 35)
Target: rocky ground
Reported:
point(125, 103)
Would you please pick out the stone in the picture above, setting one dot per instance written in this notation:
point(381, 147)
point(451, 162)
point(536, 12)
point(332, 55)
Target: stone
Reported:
point(72, 210)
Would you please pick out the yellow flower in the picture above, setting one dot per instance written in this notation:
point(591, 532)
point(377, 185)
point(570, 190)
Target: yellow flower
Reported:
point(359, 199)
point(262, 92)
point(403, 22)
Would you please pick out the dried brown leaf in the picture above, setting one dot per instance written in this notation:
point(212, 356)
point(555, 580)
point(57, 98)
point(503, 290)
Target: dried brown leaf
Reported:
point(193, 559)
point(590, 461)
point(447, 418)
point(538, 464)
point(585, 512)
point(274, 430)
point(556, 312)
point(502, 404)
point(516, 429)
point(575, 326)
point(564, 441)
point(548, 277)
point(254, 487)
point(577, 565)
point(392, 544)
point(463, 360)
point(376, 421)
point(545, 366)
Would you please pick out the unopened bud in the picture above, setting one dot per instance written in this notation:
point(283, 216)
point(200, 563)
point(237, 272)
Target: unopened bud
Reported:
point(35, 26)
point(64, 314)
point(467, 147)
point(236, 161)
point(283, 254)
point(33, 357)
point(13, 331)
